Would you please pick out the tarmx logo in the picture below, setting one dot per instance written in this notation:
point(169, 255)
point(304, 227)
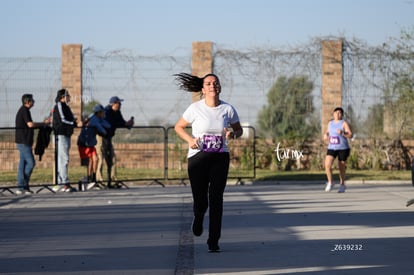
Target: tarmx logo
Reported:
point(286, 153)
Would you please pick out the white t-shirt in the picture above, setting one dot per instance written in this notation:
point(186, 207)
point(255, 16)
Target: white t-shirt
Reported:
point(208, 124)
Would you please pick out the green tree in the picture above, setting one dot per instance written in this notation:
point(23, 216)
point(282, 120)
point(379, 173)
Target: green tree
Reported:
point(404, 48)
point(288, 114)
point(373, 126)
point(399, 87)
point(400, 99)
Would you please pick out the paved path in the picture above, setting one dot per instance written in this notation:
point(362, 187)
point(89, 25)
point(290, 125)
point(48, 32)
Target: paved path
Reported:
point(267, 229)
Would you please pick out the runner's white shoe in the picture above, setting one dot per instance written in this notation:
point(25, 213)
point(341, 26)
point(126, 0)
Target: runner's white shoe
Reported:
point(328, 187)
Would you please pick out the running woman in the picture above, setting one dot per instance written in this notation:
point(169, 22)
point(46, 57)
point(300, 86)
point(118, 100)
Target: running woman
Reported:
point(337, 134)
point(208, 154)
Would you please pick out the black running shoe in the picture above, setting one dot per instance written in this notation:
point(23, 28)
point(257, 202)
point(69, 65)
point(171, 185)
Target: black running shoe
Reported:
point(213, 248)
point(197, 225)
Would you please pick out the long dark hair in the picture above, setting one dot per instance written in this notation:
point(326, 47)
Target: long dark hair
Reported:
point(191, 83)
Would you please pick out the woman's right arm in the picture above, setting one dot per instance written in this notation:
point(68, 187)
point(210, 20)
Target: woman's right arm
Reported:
point(326, 134)
point(182, 133)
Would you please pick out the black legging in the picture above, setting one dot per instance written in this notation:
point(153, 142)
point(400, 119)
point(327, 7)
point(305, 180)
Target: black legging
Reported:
point(208, 178)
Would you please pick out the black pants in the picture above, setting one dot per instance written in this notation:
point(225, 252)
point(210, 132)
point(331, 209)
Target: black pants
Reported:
point(208, 178)
point(108, 154)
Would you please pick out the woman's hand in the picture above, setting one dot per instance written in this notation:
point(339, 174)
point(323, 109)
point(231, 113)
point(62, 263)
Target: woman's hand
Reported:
point(229, 134)
point(193, 144)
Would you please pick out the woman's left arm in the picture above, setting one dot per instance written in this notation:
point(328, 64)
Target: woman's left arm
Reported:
point(347, 130)
point(237, 131)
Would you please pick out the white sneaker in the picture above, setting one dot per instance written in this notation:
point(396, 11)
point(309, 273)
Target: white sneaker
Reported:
point(328, 187)
point(90, 185)
point(67, 188)
point(62, 188)
point(342, 188)
point(19, 192)
point(56, 187)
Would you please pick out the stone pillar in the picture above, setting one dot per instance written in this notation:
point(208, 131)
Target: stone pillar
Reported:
point(202, 63)
point(331, 79)
point(72, 75)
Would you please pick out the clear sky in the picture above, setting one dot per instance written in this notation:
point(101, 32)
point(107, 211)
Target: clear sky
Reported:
point(151, 27)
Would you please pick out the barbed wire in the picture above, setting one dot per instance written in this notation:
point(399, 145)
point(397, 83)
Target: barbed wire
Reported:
point(151, 96)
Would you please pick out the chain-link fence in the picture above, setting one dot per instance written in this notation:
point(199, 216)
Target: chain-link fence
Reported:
point(145, 83)
point(373, 92)
point(151, 96)
point(35, 75)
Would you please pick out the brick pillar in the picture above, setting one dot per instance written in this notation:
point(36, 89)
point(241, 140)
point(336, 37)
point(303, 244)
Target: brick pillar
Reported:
point(331, 79)
point(72, 75)
point(202, 62)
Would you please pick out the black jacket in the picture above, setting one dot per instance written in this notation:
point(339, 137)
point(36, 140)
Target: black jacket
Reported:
point(63, 119)
point(43, 140)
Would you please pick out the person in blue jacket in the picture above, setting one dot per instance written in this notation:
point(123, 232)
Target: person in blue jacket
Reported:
point(94, 125)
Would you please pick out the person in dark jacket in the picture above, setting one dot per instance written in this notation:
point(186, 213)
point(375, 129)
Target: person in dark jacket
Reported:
point(63, 124)
point(24, 141)
point(114, 116)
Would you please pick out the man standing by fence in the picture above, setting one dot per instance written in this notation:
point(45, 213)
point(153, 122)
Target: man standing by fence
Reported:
point(114, 116)
point(24, 140)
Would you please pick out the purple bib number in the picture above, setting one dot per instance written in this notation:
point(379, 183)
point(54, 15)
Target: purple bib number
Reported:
point(334, 140)
point(213, 143)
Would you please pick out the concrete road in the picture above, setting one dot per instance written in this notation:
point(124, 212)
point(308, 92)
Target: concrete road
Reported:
point(267, 229)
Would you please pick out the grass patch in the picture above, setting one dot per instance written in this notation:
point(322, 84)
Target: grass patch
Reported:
point(266, 175)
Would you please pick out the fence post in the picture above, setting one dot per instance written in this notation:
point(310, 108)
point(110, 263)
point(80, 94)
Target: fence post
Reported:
point(332, 71)
point(202, 63)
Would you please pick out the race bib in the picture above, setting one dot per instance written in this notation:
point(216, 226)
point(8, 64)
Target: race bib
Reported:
point(213, 143)
point(334, 140)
